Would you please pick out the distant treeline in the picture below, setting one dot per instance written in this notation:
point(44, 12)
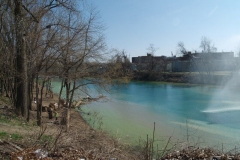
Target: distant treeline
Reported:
point(188, 77)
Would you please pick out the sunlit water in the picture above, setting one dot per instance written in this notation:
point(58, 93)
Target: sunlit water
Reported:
point(203, 115)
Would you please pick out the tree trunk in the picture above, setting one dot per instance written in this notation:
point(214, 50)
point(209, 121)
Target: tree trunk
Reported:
point(39, 107)
point(21, 63)
point(29, 100)
point(1, 88)
point(68, 119)
point(60, 93)
point(67, 84)
point(72, 93)
point(38, 103)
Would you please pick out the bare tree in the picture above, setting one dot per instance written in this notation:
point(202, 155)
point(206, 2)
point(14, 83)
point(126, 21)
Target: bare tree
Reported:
point(151, 49)
point(67, 42)
point(21, 60)
point(40, 43)
point(7, 49)
point(119, 65)
point(151, 64)
point(81, 53)
point(207, 46)
point(13, 37)
point(181, 48)
point(30, 38)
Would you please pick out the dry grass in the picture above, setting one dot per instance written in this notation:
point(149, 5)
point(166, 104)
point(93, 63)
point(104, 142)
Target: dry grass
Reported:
point(52, 138)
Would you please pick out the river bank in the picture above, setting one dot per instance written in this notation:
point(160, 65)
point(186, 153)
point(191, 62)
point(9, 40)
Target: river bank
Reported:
point(80, 141)
point(83, 140)
point(213, 78)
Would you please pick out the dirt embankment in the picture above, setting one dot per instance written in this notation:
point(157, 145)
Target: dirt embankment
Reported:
point(80, 141)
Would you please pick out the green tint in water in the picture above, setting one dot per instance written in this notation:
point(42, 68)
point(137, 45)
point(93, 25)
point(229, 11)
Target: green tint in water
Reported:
point(212, 114)
point(208, 114)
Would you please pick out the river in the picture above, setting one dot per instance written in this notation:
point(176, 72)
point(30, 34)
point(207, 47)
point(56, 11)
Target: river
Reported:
point(207, 116)
point(202, 115)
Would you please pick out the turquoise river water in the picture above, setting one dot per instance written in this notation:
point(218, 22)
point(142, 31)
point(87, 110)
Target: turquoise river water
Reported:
point(203, 115)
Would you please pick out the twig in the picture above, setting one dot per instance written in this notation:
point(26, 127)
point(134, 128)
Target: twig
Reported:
point(42, 131)
point(147, 148)
point(166, 146)
point(13, 145)
point(153, 139)
point(57, 138)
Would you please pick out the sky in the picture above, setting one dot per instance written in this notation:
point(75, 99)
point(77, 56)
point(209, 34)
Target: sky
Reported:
point(133, 25)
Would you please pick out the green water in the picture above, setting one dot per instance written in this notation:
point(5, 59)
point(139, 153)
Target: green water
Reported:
point(202, 115)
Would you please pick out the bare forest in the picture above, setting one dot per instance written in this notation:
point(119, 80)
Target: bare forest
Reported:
point(53, 38)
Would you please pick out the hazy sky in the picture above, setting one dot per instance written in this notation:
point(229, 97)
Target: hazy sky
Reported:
point(132, 25)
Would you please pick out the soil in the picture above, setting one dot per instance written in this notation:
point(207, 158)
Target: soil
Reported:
point(80, 141)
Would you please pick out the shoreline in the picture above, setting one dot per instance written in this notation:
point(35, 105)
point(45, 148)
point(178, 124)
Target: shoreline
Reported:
point(81, 139)
point(82, 135)
point(202, 78)
point(119, 116)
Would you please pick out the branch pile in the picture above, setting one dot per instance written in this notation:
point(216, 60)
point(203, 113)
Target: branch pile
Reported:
point(200, 154)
